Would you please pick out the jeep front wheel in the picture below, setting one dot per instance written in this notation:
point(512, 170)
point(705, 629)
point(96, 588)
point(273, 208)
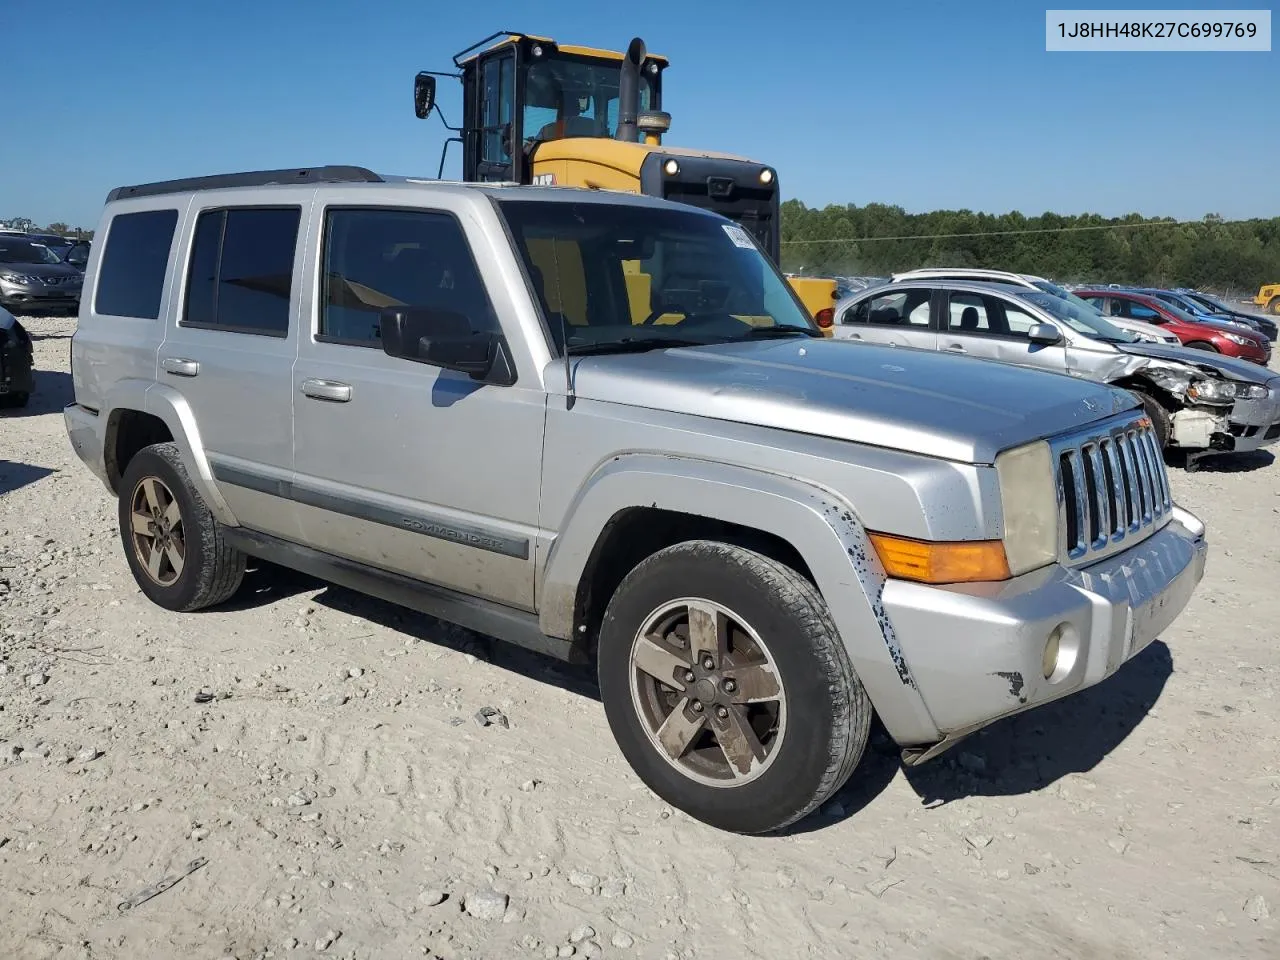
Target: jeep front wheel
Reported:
point(174, 546)
point(727, 687)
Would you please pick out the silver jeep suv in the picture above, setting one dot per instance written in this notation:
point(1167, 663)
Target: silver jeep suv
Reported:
point(601, 426)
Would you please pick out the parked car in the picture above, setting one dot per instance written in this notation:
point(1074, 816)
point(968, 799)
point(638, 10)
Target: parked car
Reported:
point(17, 362)
point(1192, 405)
point(1217, 309)
point(1143, 331)
point(33, 277)
point(458, 405)
point(1207, 335)
point(1200, 312)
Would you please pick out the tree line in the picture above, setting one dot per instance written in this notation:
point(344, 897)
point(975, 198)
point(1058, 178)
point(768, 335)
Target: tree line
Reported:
point(878, 239)
point(58, 227)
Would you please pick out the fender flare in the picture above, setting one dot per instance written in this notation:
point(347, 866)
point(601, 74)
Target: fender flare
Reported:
point(169, 406)
point(820, 524)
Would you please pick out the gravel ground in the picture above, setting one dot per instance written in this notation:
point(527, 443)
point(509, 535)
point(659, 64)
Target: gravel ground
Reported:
point(318, 752)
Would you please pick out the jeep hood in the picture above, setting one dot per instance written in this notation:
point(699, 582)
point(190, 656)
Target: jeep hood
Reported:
point(1211, 363)
point(956, 408)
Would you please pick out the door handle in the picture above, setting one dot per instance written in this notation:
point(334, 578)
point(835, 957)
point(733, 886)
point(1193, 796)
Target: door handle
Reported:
point(330, 390)
point(180, 367)
point(955, 348)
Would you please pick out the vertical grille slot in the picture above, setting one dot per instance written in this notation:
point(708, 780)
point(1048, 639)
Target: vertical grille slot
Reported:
point(1112, 487)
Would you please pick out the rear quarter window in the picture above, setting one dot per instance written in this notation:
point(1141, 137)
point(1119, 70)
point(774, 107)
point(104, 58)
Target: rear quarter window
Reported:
point(134, 260)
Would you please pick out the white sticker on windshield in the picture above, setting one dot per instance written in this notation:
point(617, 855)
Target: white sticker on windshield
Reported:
point(738, 236)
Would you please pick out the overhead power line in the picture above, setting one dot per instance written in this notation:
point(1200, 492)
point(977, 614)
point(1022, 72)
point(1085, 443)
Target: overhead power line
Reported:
point(1006, 233)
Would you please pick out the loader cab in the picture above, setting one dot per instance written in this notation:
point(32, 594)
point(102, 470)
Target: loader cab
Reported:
point(521, 91)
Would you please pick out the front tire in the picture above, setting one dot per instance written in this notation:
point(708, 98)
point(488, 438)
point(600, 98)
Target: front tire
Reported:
point(1160, 420)
point(174, 546)
point(727, 686)
point(1274, 306)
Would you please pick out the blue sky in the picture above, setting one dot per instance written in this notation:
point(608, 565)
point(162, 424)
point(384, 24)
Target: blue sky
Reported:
point(925, 105)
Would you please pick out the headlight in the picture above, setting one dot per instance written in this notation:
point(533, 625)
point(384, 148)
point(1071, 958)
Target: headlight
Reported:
point(1251, 391)
point(17, 278)
point(1212, 391)
point(1029, 498)
point(1236, 338)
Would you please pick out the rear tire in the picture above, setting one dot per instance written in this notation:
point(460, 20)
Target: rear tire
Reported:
point(762, 713)
point(1274, 306)
point(1160, 418)
point(174, 546)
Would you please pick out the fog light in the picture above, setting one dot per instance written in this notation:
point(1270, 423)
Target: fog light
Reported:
point(766, 176)
point(1049, 662)
point(671, 168)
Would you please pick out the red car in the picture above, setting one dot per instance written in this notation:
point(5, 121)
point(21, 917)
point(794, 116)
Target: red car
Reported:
point(1221, 338)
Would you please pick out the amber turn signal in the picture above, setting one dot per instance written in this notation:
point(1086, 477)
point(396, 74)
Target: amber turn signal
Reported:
point(925, 561)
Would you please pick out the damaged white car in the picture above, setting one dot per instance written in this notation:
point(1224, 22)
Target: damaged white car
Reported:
point(1198, 402)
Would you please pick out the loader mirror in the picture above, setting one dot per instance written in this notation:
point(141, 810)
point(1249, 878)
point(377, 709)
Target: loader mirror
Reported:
point(424, 95)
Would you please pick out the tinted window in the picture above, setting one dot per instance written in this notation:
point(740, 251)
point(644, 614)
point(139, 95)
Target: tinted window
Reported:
point(131, 275)
point(902, 309)
point(241, 270)
point(389, 258)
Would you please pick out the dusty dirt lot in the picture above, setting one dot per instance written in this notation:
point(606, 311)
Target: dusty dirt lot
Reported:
point(318, 749)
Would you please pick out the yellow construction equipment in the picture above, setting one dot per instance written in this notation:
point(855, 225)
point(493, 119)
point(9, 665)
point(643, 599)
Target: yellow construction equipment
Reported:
point(1269, 298)
point(539, 112)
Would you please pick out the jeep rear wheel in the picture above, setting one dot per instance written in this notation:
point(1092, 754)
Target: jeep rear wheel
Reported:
point(174, 546)
point(727, 687)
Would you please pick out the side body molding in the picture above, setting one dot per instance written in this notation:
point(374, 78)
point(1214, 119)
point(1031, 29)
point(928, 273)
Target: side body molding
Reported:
point(822, 527)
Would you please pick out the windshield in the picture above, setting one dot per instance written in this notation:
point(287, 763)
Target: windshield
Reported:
point(1067, 295)
point(616, 275)
point(1209, 303)
point(24, 251)
point(1083, 319)
point(574, 98)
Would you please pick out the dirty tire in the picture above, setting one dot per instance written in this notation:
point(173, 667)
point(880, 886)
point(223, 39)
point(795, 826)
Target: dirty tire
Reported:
point(1274, 306)
point(212, 570)
point(1160, 419)
point(827, 712)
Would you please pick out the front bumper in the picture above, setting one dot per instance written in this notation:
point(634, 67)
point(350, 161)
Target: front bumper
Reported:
point(976, 651)
point(1255, 423)
point(31, 296)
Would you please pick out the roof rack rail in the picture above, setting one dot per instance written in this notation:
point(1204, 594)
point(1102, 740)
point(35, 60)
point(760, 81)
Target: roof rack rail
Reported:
point(251, 178)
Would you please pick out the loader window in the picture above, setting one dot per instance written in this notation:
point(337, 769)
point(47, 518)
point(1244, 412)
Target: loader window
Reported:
point(497, 97)
point(574, 97)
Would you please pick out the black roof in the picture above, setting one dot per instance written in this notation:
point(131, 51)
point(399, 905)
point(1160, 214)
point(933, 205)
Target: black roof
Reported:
point(250, 178)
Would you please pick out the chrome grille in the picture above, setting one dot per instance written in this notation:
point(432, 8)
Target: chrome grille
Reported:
point(1113, 489)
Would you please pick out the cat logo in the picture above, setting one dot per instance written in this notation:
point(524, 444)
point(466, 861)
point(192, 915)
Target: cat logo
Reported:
point(544, 180)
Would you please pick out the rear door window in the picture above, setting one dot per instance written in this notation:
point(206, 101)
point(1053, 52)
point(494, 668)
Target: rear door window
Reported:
point(241, 270)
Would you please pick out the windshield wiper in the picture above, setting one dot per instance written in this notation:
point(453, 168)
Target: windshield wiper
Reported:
point(768, 333)
point(630, 345)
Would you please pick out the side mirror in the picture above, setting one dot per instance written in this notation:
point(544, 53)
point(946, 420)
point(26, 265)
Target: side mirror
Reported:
point(1045, 333)
point(424, 95)
point(442, 338)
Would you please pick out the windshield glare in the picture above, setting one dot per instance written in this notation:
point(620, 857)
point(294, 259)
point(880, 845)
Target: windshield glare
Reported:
point(1085, 319)
point(26, 252)
point(613, 273)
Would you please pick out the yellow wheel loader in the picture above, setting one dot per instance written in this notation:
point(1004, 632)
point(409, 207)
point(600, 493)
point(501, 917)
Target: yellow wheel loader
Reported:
point(538, 112)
